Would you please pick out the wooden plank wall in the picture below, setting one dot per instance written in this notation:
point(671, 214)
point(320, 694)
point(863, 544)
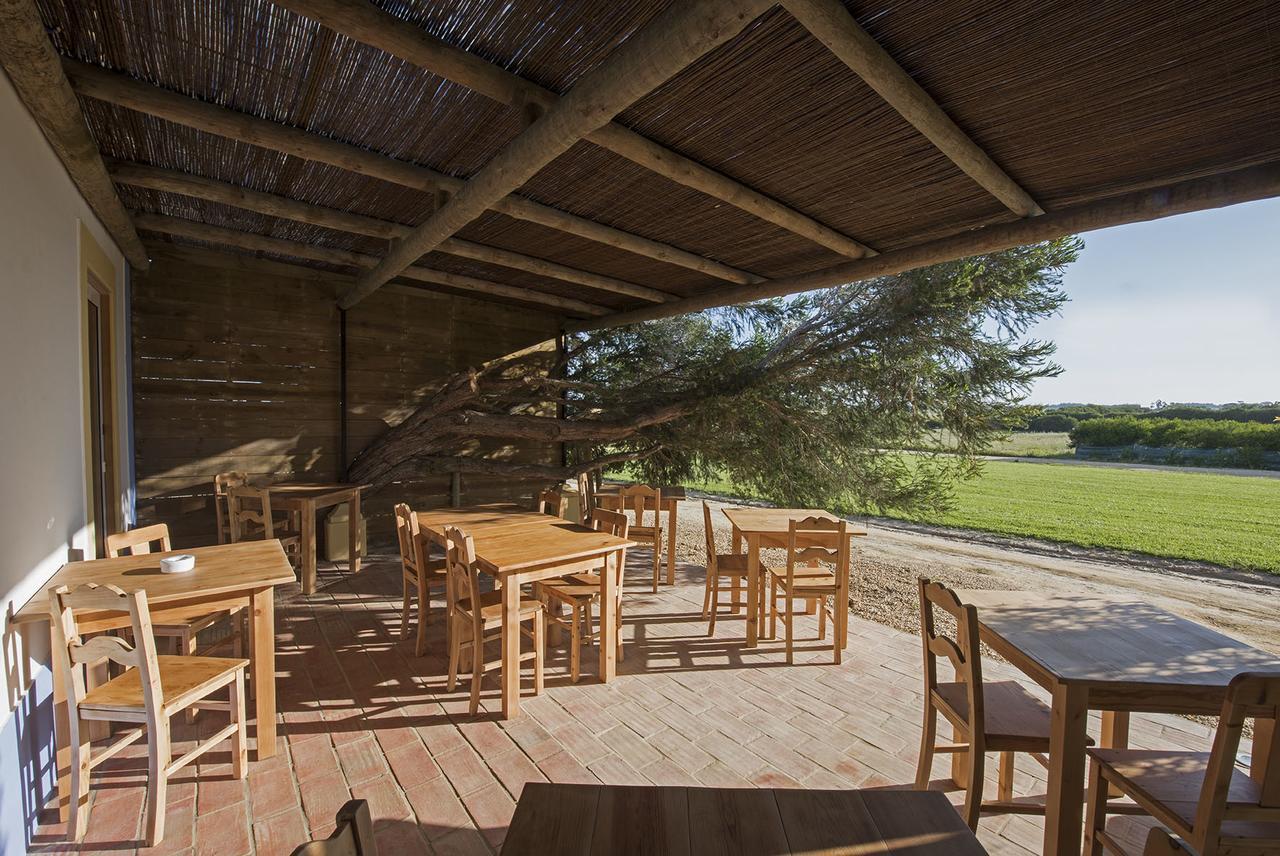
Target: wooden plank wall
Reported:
point(236, 365)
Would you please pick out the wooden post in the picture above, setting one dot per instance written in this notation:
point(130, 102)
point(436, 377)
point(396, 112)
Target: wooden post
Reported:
point(455, 489)
point(649, 58)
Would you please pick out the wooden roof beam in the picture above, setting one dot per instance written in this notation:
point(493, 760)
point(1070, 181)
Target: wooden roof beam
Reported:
point(365, 22)
point(272, 205)
point(647, 59)
point(830, 22)
point(1244, 185)
point(95, 82)
point(36, 71)
point(261, 243)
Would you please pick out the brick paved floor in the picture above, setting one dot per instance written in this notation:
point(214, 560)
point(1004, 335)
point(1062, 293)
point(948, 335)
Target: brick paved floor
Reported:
point(362, 716)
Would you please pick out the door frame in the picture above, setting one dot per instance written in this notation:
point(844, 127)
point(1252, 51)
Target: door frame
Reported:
point(98, 280)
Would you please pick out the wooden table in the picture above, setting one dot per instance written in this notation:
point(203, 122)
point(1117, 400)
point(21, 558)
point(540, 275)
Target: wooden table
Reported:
point(307, 500)
point(765, 527)
point(1115, 656)
point(657, 821)
point(671, 499)
point(517, 546)
point(226, 576)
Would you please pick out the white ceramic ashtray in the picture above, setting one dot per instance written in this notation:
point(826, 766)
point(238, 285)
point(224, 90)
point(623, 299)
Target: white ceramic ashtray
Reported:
point(179, 564)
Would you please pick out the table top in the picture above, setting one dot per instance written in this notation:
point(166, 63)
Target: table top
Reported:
point(312, 490)
point(556, 818)
point(776, 521)
point(220, 569)
point(1103, 641)
point(509, 538)
point(672, 493)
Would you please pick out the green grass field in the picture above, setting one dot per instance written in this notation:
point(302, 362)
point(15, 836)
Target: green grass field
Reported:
point(1228, 520)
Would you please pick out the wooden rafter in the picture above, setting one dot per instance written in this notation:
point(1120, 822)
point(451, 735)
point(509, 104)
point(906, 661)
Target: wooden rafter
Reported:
point(650, 57)
point(364, 22)
point(273, 205)
point(34, 67)
point(261, 243)
point(1245, 185)
point(830, 22)
point(99, 83)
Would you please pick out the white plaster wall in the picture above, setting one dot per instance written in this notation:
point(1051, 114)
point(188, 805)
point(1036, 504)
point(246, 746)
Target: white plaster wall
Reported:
point(42, 467)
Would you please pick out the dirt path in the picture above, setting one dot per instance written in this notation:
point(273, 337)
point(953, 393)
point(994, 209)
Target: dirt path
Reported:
point(1128, 465)
point(1242, 604)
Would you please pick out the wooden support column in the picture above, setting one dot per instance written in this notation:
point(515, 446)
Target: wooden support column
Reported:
point(366, 23)
point(647, 59)
point(94, 82)
point(36, 71)
point(1244, 185)
point(252, 241)
point(830, 22)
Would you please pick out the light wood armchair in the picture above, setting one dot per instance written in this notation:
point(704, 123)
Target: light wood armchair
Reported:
point(152, 690)
point(251, 518)
point(638, 498)
point(551, 501)
point(352, 837)
point(473, 614)
point(986, 717)
point(222, 484)
point(1216, 809)
point(811, 541)
point(579, 591)
point(419, 573)
point(722, 568)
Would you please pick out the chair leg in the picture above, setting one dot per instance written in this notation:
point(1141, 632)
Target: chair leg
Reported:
point(789, 616)
point(736, 599)
point(455, 652)
point(928, 738)
point(239, 740)
point(159, 751)
point(404, 606)
point(575, 642)
point(773, 609)
point(821, 608)
point(710, 587)
point(477, 673)
point(973, 790)
point(657, 561)
point(238, 635)
point(424, 607)
point(1095, 818)
point(187, 642)
point(539, 649)
point(715, 606)
point(1004, 792)
point(617, 628)
point(78, 808)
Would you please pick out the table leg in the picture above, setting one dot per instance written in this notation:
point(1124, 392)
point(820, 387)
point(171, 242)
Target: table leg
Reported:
point(510, 648)
point(671, 545)
point(608, 637)
point(308, 547)
point(1064, 803)
point(753, 589)
point(1115, 734)
point(1265, 754)
point(262, 615)
point(353, 532)
point(735, 539)
point(61, 731)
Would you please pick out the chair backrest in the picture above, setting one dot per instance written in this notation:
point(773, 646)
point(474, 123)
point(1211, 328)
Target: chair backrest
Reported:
point(639, 498)
point(616, 524)
point(586, 497)
point(353, 835)
point(551, 501)
point(462, 577)
point(409, 534)
point(817, 539)
point(138, 541)
point(1249, 695)
point(222, 483)
point(250, 513)
point(74, 652)
point(710, 533)
point(963, 652)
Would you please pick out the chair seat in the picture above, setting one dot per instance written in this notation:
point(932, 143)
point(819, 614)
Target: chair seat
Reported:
point(644, 531)
point(1174, 780)
point(195, 625)
point(573, 587)
point(491, 607)
point(180, 678)
point(1015, 720)
point(807, 577)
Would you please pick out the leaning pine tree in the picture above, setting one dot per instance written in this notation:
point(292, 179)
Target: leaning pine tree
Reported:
point(804, 400)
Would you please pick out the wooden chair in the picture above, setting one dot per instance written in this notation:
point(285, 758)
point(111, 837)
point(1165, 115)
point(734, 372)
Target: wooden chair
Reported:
point(151, 691)
point(1201, 796)
point(810, 541)
point(138, 542)
point(472, 613)
point(987, 717)
point(251, 518)
point(637, 498)
point(222, 483)
point(721, 568)
point(551, 501)
point(580, 591)
point(419, 573)
point(352, 837)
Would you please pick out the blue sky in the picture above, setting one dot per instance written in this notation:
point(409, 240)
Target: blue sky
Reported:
point(1181, 309)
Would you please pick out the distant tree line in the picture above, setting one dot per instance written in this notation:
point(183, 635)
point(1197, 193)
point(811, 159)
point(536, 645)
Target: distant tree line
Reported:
point(1064, 418)
point(1199, 433)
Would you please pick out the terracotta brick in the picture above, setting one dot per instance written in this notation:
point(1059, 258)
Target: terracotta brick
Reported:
point(491, 809)
point(514, 769)
point(386, 799)
point(412, 764)
point(437, 808)
point(461, 842)
point(400, 837)
point(279, 835)
point(218, 792)
point(314, 759)
point(322, 796)
point(271, 792)
point(362, 760)
point(465, 771)
point(563, 767)
point(223, 833)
